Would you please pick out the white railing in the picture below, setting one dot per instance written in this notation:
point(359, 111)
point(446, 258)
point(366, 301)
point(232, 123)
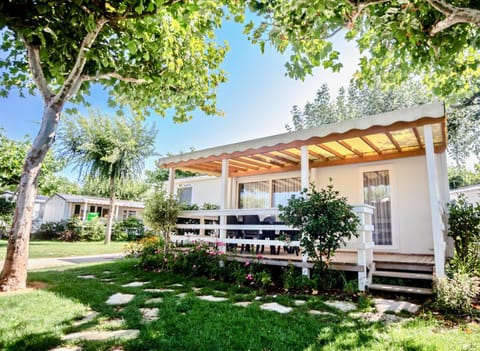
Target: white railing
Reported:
point(363, 245)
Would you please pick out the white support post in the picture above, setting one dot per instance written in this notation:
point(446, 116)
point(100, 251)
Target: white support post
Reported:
point(85, 209)
point(117, 209)
point(171, 181)
point(224, 198)
point(305, 178)
point(438, 242)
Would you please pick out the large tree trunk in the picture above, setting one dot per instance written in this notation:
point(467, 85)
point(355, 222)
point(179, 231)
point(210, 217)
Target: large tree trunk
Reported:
point(108, 234)
point(14, 273)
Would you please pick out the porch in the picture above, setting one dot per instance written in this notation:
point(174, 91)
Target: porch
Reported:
point(393, 161)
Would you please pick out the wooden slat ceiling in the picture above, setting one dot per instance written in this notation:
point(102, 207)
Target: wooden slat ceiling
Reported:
point(354, 146)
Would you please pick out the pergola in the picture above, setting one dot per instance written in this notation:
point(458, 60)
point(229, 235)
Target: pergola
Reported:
point(403, 133)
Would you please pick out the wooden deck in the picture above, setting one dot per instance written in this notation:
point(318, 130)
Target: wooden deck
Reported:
point(343, 260)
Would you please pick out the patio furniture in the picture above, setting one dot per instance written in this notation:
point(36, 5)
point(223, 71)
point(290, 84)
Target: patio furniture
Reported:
point(233, 233)
point(250, 233)
point(270, 234)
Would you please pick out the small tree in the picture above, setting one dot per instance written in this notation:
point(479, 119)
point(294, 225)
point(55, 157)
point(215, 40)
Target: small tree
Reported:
point(161, 212)
point(325, 220)
point(464, 229)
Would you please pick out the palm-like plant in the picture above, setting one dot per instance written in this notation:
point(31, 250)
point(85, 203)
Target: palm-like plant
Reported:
point(112, 148)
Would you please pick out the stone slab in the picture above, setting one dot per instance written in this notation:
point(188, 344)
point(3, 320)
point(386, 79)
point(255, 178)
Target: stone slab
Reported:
point(134, 284)
point(120, 299)
point(149, 314)
point(158, 290)
point(276, 307)
point(299, 302)
point(212, 298)
point(86, 276)
point(154, 300)
point(385, 305)
point(343, 306)
point(67, 348)
point(243, 303)
point(93, 335)
point(320, 313)
point(87, 318)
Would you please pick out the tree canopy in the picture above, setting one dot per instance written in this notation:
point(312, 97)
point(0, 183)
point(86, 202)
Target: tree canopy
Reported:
point(396, 38)
point(110, 148)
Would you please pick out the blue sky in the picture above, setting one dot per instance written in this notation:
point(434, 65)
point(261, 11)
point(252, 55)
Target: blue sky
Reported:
point(257, 99)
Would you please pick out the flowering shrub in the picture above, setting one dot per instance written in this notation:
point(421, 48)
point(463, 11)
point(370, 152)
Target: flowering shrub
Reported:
point(455, 294)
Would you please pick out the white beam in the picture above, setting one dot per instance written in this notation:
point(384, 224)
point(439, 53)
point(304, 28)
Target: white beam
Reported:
point(171, 181)
point(305, 177)
point(224, 196)
point(438, 241)
point(305, 169)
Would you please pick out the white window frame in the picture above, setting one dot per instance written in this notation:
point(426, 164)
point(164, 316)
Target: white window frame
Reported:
point(259, 178)
point(393, 201)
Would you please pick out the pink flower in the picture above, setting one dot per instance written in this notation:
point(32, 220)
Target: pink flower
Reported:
point(247, 263)
point(220, 253)
point(219, 243)
point(259, 256)
point(249, 277)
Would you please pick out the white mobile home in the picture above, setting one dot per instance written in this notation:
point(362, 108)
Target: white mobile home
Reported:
point(64, 206)
point(392, 161)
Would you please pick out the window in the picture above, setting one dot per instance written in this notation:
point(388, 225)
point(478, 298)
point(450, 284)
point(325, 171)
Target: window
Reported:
point(77, 210)
point(267, 193)
point(376, 192)
point(283, 189)
point(185, 195)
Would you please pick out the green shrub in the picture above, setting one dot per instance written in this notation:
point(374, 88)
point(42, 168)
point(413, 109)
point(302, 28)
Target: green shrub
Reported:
point(464, 229)
point(50, 230)
point(72, 230)
point(93, 230)
point(455, 294)
point(131, 228)
point(6, 214)
point(325, 221)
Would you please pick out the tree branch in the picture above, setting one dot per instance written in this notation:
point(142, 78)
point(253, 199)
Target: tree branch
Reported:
point(453, 15)
point(33, 55)
point(115, 75)
point(73, 81)
point(359, 7)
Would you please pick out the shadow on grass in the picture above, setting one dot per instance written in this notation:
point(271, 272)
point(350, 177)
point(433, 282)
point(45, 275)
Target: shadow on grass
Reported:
point(33, 342)
point(192, 324)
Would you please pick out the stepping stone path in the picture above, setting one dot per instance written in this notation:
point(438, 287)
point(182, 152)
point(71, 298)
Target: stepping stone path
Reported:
point(196, 289)
point(67, 348)
point(343, 306)
point(149, 314)
point(158, 290)
point(120, 299)
point(181, 295)
point(379, 317)
point(299, 302)
point(243, 303)
point(134, 284)
point(176, 285)
point(154, 300)
point(384, 305)
point(112, 323)
point(212, 298)
point(96, 335)
point(87, 276)
point(276, 307)
point(87, 318)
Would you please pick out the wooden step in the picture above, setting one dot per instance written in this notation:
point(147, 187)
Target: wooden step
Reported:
point(401, 289)
point(407, 275)
point(404, 267)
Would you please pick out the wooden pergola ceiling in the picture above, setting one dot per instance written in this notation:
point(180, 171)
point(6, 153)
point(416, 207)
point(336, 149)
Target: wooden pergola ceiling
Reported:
point(375, 143)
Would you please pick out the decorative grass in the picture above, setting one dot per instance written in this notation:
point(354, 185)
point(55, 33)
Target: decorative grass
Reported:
point(36, 320)
point(46, 248)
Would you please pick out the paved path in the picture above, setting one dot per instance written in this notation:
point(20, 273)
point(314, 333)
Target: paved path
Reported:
point(41, 263)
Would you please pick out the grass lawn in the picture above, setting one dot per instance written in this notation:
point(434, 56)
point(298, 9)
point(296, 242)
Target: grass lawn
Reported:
point(38, 319)
point(44, 249)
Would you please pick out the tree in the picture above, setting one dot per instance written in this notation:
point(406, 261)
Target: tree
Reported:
point(459, 176)
point(127, 189)
point(161, 213)
point(113, 149)
point(397, 38)
point(150, 55)
point(11, 162)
